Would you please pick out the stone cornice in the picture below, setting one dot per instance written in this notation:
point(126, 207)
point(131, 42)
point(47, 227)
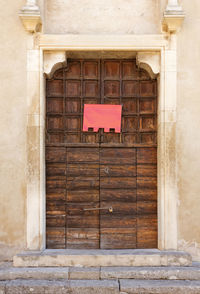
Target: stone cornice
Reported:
point(30, 17)
point(173, 17)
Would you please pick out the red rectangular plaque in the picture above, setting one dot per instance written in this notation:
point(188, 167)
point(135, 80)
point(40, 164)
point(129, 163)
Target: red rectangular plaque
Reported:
point(103, 116)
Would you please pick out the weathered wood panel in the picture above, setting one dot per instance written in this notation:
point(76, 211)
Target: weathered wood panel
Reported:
point(146, 198)
point(117, 170)
point(55, 201)
point(118, 175)
point(124, 195)
point(85, 195)
point(82, 214)
point(82, 179)
point(118, 156)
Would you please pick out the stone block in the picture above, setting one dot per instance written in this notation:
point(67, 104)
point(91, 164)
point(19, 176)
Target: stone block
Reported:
point(84, 273)
point(94, 286)
point(161, 287)
point(12, 273)
point(97, 258)
point(151, 273)
point(36, 286)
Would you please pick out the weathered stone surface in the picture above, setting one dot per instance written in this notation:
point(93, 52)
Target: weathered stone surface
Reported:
point(151, 273)
point(95, 273)
point(58, 287)
point(95, 258)
point(177, 259)
point(162, 287)
point(36, 286)
point(85, 273)
point(12, 273)
point(93, 286)
point(2, 288)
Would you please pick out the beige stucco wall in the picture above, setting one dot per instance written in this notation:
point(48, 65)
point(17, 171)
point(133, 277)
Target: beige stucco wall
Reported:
point(12, 128)
point(188, 123)
point(105, 16)
point(86, 17)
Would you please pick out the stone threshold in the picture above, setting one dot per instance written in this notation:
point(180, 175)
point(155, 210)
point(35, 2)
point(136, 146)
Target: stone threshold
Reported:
point(101, 258)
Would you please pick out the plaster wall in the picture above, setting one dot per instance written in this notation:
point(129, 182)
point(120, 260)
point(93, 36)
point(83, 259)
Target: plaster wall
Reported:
point(188, 134)
point(12, 129)
point(100, 17)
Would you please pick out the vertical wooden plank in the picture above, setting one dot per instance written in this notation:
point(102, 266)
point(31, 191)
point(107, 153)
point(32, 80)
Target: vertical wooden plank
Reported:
point(82, 201)
point(118, 191)
point(55, 199)
point(146, 198)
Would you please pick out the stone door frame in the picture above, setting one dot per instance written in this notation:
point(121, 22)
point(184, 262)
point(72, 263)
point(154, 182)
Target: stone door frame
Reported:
point(155, 53)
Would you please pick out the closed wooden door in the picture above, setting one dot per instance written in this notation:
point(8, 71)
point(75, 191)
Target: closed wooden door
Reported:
point(101, 188)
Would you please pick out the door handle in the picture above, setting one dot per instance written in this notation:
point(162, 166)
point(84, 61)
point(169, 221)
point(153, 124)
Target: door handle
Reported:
point(110, 209)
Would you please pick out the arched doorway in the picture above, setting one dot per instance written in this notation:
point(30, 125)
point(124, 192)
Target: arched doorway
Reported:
point(87, 172)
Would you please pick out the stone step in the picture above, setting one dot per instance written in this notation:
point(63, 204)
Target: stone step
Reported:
point(151, 273)
point(103, 273)
point(58, 287)
point(95, 258)
point(158, 286)
point(100, 287)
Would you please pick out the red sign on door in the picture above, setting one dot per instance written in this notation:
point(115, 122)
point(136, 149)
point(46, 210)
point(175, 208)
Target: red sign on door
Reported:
point(103, 116)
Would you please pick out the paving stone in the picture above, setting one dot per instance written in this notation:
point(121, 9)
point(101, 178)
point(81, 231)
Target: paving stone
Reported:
point(155, 273)
point(36, 287)
point(159, 286)
point(94, 287)
point(84, 273)
point(12, 273)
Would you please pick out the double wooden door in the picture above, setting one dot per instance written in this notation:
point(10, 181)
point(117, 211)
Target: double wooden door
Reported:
point(101, 187)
